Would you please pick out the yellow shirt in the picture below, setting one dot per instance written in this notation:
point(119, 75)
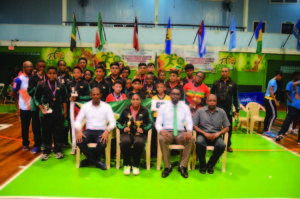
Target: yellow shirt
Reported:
point(155, 97)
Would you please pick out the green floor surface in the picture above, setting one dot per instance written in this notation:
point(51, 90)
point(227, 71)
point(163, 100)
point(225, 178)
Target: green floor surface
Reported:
point(249, 174)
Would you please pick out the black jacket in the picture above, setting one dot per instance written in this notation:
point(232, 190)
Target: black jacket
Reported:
point(44, 95)
point(33, 82)
point(153, 90)
point(82, 88)
point(227, 95)
point(168, 90)
point(111, 81)
point(103, 86)
point(64, 78)
point(142, 115)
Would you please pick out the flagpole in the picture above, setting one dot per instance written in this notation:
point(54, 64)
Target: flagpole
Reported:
point(251, 39)
point(195, 38)
point(286, 40)
point(227, 34)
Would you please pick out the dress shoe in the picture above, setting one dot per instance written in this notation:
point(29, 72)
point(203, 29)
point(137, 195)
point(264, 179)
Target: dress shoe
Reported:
point(229, 149)
point(210, 169)
point(166, 172)
point(183, 171)
point(101, 165)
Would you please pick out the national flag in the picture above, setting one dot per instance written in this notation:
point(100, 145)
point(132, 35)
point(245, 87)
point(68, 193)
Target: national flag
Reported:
point(74, 31)
point(168, 39)
point(258, 37)
point(100, 39)
point(232, 42)
point(135, 35)
point(201, 40)
point(296, 32)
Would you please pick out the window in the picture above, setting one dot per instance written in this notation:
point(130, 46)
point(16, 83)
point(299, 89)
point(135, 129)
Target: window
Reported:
point(283, 1)
point(287, 28)
point(255, 24)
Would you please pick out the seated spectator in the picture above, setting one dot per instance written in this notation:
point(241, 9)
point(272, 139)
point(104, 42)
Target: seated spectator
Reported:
point(210, 123)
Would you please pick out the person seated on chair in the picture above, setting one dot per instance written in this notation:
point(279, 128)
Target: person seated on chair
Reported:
point(96, 114)
point(174, 132)
point(134, 124)
point(210, 122)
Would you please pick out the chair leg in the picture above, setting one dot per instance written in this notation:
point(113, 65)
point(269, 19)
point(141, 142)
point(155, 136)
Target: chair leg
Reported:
point(224, 161)
point(159, 155)
point(148, 155)
point(107, 152)
point(118, 156)
point(77, 157)
point(251, 126)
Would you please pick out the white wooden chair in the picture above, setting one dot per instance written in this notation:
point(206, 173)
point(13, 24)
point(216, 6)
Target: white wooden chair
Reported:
point(211, 148)
point(253, 109)
point(171, 146)
point(93, 145)
point(147, 149)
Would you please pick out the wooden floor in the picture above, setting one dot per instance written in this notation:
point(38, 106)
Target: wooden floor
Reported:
point(12, 156)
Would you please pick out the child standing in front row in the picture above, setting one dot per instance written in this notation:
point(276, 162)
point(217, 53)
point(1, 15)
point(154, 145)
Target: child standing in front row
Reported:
point(51, 98)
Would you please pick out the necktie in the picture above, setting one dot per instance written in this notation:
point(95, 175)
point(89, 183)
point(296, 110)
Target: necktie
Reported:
point(175, 121)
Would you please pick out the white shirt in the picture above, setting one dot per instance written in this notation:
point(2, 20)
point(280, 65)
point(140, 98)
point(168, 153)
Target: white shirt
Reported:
point(96, 117)
point(165, 118)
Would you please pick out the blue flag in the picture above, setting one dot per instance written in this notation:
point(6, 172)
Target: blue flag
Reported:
point(201, 40)
point(232, 42)
point(168, 38)
point(296, 32)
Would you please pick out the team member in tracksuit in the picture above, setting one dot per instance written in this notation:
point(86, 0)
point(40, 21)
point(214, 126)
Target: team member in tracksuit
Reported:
point(78, 91)
point(51, 98)
point(34, 81)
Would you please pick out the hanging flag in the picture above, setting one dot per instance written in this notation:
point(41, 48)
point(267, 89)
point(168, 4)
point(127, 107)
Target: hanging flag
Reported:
point(73, 35)
point(100, 39)
point(232, 42)
point(201, 40)
point(168, 39)
point(258, 37)
point(156, 64)
point(135, 35)
point(296, 32)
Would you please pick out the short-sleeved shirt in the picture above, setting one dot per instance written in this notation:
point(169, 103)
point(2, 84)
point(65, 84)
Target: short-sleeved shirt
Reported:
point(296, 102)
point(155, 97)
point(20, 86)
point(192, 91)
point(273, 83)
point(289, 87)
point(211, 122)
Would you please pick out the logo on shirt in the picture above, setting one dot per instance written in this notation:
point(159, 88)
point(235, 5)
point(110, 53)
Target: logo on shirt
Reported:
point(140, 115)
point(81, 86)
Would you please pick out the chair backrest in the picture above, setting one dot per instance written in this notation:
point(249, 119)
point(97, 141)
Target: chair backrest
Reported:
point(253, 108)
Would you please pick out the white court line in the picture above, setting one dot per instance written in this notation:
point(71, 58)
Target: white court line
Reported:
point(271, 140)
point(21, 171)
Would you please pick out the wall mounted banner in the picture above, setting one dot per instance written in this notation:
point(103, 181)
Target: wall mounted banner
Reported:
point(246, 62)
point(129, 57)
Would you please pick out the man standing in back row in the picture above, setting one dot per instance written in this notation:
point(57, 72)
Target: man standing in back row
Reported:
point(227, 95)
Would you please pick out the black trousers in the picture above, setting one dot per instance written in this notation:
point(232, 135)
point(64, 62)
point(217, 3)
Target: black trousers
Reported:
point(202, 142)
point(36, 128)
point(230, 130)
point(293, 112)
point(25, 123)
point(138, 142)
point(92, 136)
point(271, 114)
point(52, 126)
point(154, 140)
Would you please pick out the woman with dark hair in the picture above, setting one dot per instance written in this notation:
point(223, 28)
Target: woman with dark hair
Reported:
point(134, 124)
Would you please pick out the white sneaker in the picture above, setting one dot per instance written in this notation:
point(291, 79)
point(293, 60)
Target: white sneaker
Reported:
point(135, 171)
point(126, 170)
point(73, 152)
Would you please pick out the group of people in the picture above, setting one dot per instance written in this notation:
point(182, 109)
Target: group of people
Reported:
point(45, 97)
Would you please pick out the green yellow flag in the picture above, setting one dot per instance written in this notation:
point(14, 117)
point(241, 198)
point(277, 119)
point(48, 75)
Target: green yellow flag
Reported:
point(73, 35)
